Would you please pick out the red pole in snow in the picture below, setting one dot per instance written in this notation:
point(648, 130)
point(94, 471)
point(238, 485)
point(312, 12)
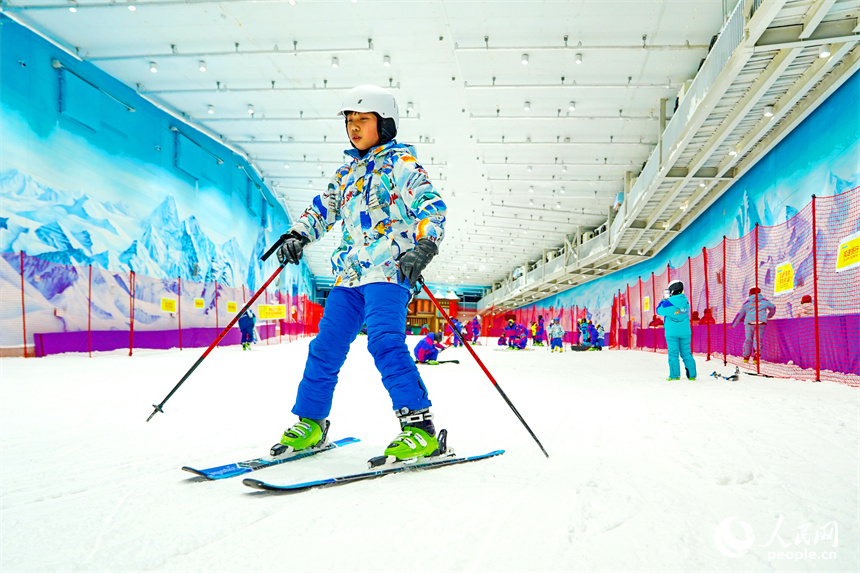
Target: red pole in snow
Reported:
point(23, 310)
point(131, 290)
point(815, 291)
point(179, 307)
point(90, 314)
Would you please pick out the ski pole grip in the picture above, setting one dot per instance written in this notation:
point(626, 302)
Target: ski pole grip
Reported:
point(274, 247)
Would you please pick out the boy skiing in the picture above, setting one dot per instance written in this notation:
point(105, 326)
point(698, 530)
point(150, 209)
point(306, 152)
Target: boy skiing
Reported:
point(676, 311)
point(392, 221)
point(556, 334)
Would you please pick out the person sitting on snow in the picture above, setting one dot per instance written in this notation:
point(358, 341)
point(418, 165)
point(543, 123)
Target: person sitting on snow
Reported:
point(428, 348)
point(556, 334)
point(519, 342)
point(502, 341)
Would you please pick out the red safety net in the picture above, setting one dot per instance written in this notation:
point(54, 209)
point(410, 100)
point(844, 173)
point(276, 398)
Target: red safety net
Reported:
point(807, 268)
point(48, 308)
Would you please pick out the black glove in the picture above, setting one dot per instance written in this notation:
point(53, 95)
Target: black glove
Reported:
point(412, 263)
point(290, 250)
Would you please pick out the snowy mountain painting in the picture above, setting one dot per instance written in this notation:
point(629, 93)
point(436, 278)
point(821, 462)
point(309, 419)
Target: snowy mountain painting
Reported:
point(63, 232)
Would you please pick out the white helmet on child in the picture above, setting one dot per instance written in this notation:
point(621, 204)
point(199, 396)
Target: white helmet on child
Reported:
point(374, 99)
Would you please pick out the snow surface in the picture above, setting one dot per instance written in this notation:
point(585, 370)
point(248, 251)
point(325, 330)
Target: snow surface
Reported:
point(640, 474)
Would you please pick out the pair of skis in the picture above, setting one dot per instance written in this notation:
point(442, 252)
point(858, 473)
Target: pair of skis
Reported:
point(736, 374)
point(241, 468)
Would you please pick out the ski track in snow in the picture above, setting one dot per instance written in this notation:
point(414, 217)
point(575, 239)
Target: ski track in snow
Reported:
point(640, 472)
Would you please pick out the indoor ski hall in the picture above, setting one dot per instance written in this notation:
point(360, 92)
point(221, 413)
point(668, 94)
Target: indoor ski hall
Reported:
point(430, 285)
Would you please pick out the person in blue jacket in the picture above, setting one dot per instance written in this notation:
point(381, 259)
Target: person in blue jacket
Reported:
point(556, 335)
point(390, 220)
point(428, 348)
point(583, 332)
point(540, 332)
point(246, 325)
point(675, 309)
point(752, 320)
point(475, 328)
point(593, 335)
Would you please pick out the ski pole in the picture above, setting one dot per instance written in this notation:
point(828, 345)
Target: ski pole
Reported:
point(158, 407)
point(481, 364)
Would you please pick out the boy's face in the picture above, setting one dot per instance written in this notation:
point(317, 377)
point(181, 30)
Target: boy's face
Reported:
point(362, 130)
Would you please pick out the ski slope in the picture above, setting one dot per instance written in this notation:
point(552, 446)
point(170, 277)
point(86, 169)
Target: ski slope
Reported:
point(641, 471)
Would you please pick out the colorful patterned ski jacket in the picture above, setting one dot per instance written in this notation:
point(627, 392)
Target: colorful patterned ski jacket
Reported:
point(386, 204)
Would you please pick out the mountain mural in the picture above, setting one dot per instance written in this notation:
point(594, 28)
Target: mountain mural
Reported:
point(74, 229)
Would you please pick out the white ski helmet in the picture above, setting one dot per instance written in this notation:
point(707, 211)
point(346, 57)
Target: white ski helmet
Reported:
point(374, 99)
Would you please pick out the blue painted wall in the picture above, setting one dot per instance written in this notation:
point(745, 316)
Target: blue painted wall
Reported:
point(821, 156)
point(85, 180)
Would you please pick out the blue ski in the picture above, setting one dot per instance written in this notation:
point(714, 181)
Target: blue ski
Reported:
point(372, 474)
point(240, 468)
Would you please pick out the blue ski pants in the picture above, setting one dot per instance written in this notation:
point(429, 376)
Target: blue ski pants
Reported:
point(555, 343)
point(382, 306)
point(680, 345)
point(750, 341)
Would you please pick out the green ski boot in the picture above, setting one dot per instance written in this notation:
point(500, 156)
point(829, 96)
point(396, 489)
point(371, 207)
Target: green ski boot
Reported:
point(304, 434)
point(417, 439)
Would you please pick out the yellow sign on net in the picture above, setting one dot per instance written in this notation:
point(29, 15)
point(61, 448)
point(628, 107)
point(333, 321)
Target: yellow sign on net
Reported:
point(784, 279)
point(168, 305)
point(646, 303)
point(199, 303)
point(849, 253)
point(272, 311)
point(231, 307)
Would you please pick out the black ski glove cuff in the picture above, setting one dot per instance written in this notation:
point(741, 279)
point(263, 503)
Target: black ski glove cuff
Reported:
point(290, 250)
point(412, 263)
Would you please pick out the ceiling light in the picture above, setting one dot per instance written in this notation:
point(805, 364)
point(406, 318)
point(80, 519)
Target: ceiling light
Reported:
point(824, 51)
point(132, 7)
point(561, 190)
point(250, 109)
point(292, 2)
point(286, 165)
point(527, 106)
point(558, 205)
point(202, 65)
point(386, 61)
point(529, 169)
point(531, 203)
point(153, 67)
point(578, 58)
point(564, 168)
point(733, 151)
point(410, 107)
point(531, 189)
point(310, 183)
point(73, 6)
point(334, 63)
point(211, 109)
point(525, 59)
point(702, 184)
point(571, 106)
point(768, 111)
